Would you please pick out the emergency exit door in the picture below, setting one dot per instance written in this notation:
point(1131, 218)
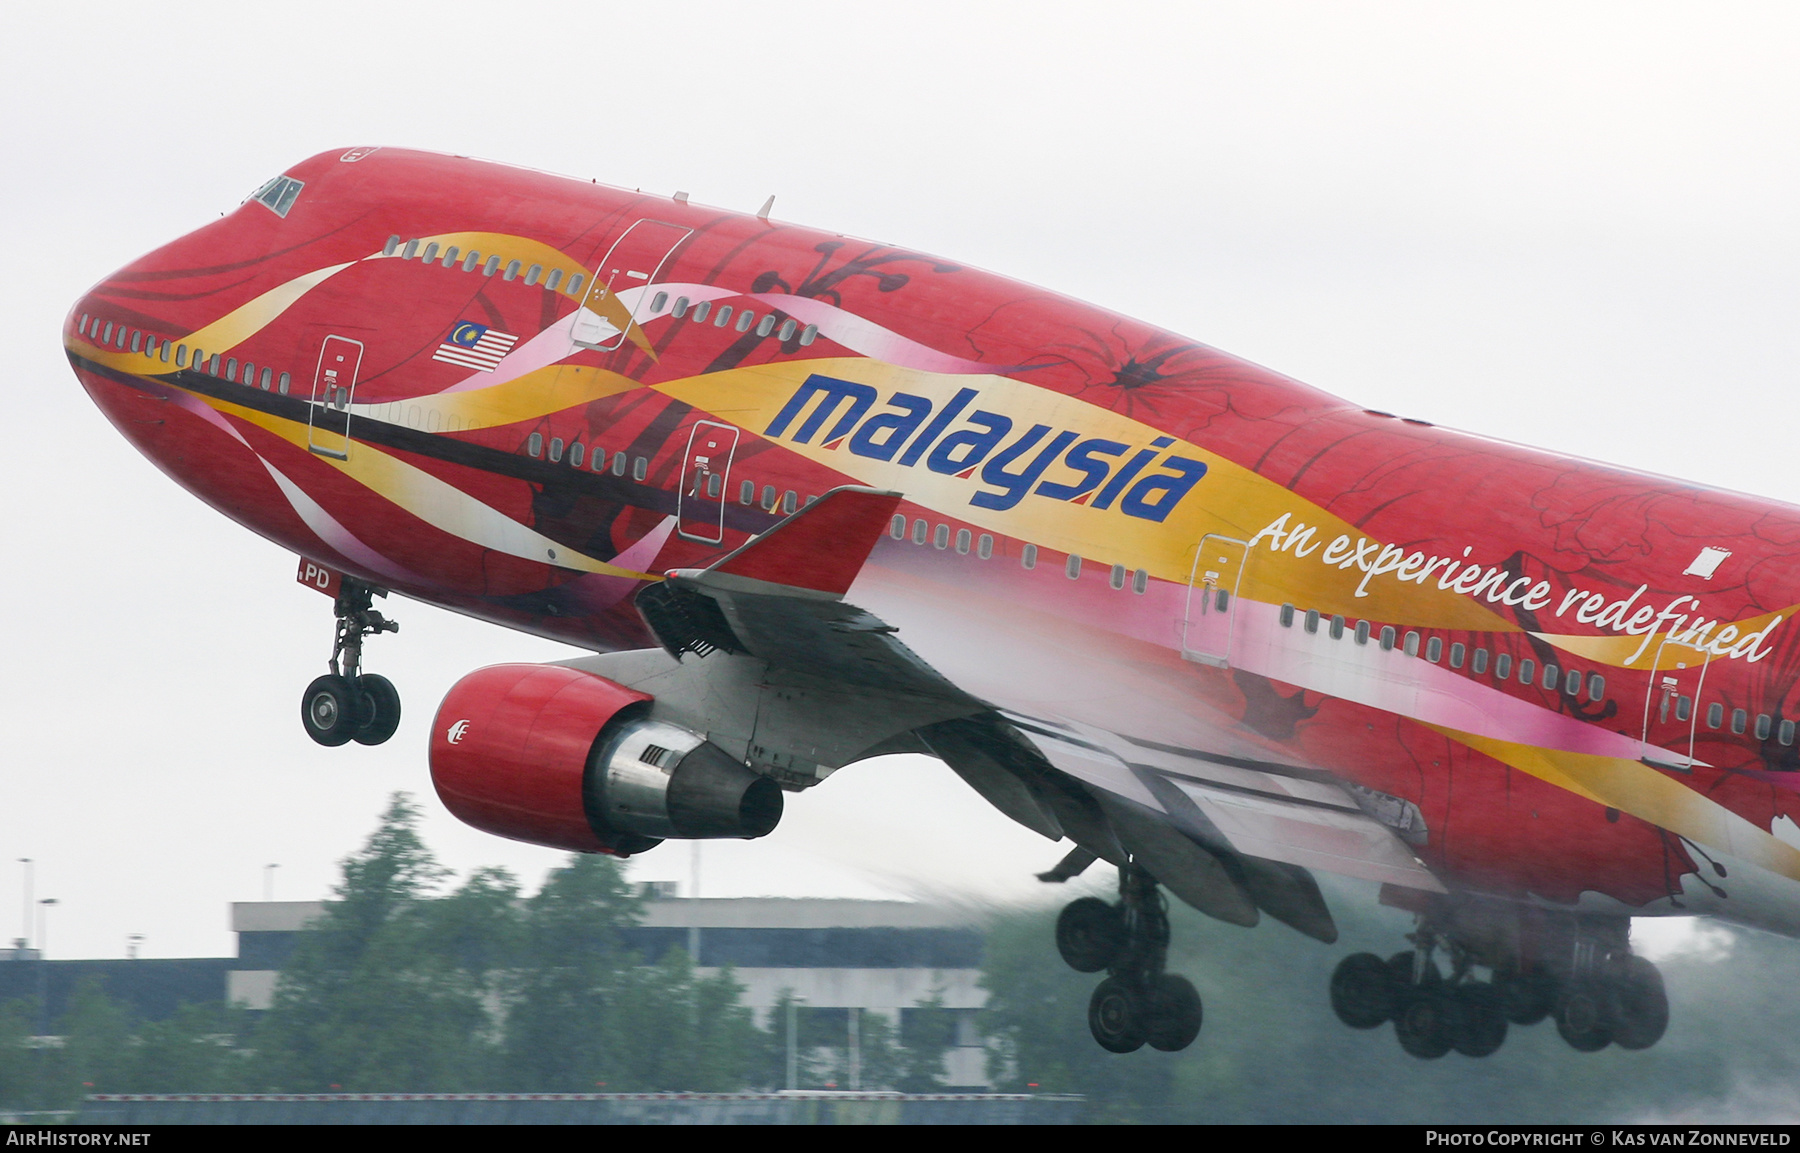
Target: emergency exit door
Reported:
point(635, 261)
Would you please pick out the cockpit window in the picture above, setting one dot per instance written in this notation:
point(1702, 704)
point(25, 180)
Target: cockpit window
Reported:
point(278, 194)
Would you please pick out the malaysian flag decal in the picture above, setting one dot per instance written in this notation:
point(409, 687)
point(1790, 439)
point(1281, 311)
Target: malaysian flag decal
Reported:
point(475, 346)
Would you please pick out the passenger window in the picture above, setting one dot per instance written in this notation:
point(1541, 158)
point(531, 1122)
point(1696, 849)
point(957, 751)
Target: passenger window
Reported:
point(82, 327)
point(1312, 619)
point(164, 356)
point(1550, 676)
point(1073, 567)
point(1434, 649)
point(680, 309)
point(1028, 556)
point(1140, 582)
point(619, 462)
point(137, 341)
point(1287, 616)
point(532, 274)
point(745, 318)
point(450, 255)
point(766, 325)
point(285, 379)
point(724, 315)
point(714, 485)
point(1739, 719)
point(1684, 708)
point(512, 270)
point(640, 468)
point(791, 501)
point(556, 447)
point(412, 250)
point(150, 348)
point(181, 356)
point(701, 309)
point(575, 283)
point(1785, 734)
point(1596, 686)
point(808, 334)
point(1762, 726)
point(1362, 632)
point(1479, 664)
point(657, 301)
point(1337, 628)
point(941, 538)
point(108, 337)
point(212, 366)
point(1387, 638)
point(534, 444)
point(747, 495)
point(1502, 666)
point(555, 279)
point(787, 330)
point(1457, 652)
point(577, 452)
point(249, 373)
point(492, 266)
point(431, 252)
point(920, 529)
point(768, 503)
point(1715, 715)
point(1526, 668)
point(1572, 682)
point(984, 548)
point(896, 526)
point(471, 260)
point(392, 246)
point(231, 369)
point(964, 538)
point(1411, 646)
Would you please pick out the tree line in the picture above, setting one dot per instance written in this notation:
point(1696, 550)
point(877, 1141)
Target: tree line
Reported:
point(403, 986)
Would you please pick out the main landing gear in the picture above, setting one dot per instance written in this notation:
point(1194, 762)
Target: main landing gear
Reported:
point(347, 704)
point(1138, 1002)
point(1579, 970)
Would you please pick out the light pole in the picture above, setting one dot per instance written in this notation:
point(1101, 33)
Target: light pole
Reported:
point(43, 970)
point(43, 937)
point(26, 927)
point(269, 882)
point(132, 941)
point(793, 1053)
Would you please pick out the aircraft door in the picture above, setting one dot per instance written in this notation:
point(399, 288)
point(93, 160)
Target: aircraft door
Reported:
point(1672, 704)
point(1212, 600)
point(635, 261)
point(704, 479)
point(334, 386)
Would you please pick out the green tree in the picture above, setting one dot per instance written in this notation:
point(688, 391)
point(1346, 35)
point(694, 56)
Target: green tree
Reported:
point(367, 1002)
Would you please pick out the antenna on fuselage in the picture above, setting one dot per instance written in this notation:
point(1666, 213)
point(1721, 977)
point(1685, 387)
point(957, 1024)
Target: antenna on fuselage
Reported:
point(763, 212)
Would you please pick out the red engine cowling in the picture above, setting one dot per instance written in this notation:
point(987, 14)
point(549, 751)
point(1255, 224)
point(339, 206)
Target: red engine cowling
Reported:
point(559, 757)
point(510, 748)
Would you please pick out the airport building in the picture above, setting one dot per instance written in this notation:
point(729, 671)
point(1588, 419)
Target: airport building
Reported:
point(838, 958)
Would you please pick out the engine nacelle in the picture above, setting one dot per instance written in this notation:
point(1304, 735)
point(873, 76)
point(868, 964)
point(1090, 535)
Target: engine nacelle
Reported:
point(556, 756)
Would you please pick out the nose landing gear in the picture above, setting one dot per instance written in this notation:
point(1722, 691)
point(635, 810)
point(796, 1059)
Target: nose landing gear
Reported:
point(347, 704)
point(1138, 1002)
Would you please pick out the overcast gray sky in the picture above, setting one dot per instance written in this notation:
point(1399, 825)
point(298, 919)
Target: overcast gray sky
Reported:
point(1571, 225)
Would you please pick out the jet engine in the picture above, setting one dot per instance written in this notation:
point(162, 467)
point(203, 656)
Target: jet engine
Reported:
point(559, 757)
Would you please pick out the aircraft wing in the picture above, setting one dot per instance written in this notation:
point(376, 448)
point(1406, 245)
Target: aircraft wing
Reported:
point(1230, 835)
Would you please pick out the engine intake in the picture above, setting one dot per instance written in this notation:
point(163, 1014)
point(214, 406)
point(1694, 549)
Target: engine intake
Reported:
point(559, 757)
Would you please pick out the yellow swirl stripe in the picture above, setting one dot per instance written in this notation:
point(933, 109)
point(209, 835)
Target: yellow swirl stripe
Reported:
point(1636, 788)
point(438, 503)
point(528, 397)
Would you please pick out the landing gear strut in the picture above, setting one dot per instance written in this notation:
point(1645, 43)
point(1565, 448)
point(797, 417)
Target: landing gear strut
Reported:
point(348, 704)
point(1138, 1002)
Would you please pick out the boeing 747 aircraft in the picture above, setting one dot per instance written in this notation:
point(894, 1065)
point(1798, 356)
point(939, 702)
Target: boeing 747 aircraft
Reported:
point(808, 499)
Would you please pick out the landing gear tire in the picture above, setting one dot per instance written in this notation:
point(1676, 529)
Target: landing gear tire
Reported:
point(1422, 1022)
point(1175, 1014)
point(1116, 1016)
point(1640, 1005)
point(381, 709)
point(1363, 991)
point(331, 710)
point(1478, 1020)
point(1090, 934)
point(1582, 1016)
